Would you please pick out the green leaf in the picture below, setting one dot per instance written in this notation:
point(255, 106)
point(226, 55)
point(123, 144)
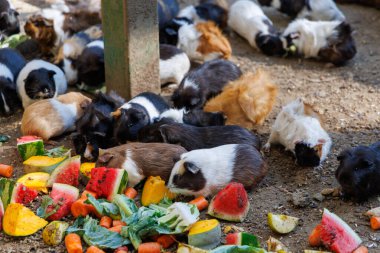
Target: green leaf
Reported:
point(104, 207)
point(126, 205)
point(13, 41)
point(237, 249)
point(47, 201)
point(58, 152)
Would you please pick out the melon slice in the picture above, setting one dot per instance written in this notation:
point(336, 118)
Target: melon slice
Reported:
point(66, 173)
point(281, 223)
point(42, 163)
point(63, 196)
point(22, 194)
point(106, 182)
point(230, 204)
point(85, 169)
point(1, 214)
point(205, 234)
point(54, 233)
point(29, 146)
point(242, 238)
point(6, 190)
point(35, 180)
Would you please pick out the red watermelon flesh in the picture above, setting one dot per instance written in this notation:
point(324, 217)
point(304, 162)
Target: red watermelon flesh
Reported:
point(66, 173)
point(64, 196)
point(336, 235)
point(1, 214)
point(242, 238)
point(230, 204)
point(23, 195)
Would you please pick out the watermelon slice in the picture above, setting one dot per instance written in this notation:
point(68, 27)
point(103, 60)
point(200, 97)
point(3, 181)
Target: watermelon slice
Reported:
point(1, 214)
point(106, 182)
point(29, 146)
point(242, 238)
point(66, 173)
point(64, 196)
point(205, 234)
point(22, 194)
point(230, 204)
point(6, 190)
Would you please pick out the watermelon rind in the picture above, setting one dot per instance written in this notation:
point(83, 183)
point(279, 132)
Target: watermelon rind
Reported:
point(65, 204)
point(42, 164)
point(19, 189)
point(60, 174)
point(205, 234)
point(120, 183)
point(32, 146)
point(242, 238)
point(6, 190)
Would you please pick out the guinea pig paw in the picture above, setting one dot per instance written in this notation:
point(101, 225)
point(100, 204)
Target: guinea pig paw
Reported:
point(319, 167)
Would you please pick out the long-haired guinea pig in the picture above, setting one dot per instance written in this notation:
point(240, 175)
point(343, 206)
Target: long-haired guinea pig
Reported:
point(94, 129)
point(246, 101)
point(359, 171)
point(248, 20)
point(319, 10)
point(142, 160)
point(169, 33)
point(195, 117)
point(52, 117)
point(40, 80)
point(140, 111)
point(205, 12)
point(203, 83)
point(206, 171)
point(174, 64)
point(298, 128)
point(9, 22)
point(203, 42)
point(329, 41)
point(11, 63)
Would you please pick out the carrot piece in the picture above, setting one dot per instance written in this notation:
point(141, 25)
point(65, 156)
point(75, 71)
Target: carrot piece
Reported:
point(166, 241)
point(315, 236)
point(94, 249)
point(6, 170)
point(116, 229)
point(361, 249)
point(123, 249)
point(375, 222)
point(118, 222)
point(130, 192)
point(85, 192)
point(149, 247)
point(73, 243)
point(105, 221)
point(79, 208)
point(201, 203)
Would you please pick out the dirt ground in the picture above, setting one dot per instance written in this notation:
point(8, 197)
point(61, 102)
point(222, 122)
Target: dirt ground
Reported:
point(348, 97)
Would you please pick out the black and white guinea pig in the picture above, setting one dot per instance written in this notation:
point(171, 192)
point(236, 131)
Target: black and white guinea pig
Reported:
point(90, 64)
point(140, 111)
point(11, 63)
point(167, 10)
point(207, 171)
point(9, 22)
point(329, 41)
point(151, 133)
point(174, 64)
point(40, 80)
point(168, 34)
point(205, 12)
point(318, 10)
point(195, 117)
point(203, 83)
point(359, 171)
point(248, 20)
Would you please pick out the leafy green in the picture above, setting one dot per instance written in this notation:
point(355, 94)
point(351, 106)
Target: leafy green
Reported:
point(4, 138)
point(13, 41)
point(57, 152)
point(237, 249)
point(180, 216)
point(47, 202)
point(104, 207)
point(126, 205)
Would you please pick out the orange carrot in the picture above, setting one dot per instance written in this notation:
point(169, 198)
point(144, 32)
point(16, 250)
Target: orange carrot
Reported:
point(94, 249)
point(123, 249)
point(149, 247)
point(118, 222)
point(375, 222)
point(73, 243)
point(130, 192)
point(201, 203)
point(166, 241)
point(79, 208)
point(6, 170)
point(105, 221)
point(315, 236)
point(116, 229)
point(361, 249)
point(85, 192)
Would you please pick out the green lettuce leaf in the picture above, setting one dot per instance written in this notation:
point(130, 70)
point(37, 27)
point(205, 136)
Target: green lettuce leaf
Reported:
point(126, 205)
point(104, 207)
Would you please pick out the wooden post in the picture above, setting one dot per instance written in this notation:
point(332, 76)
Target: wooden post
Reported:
point(131, 46)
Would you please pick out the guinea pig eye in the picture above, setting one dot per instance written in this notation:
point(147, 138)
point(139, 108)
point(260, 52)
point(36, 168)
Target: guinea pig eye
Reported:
point(130, 125)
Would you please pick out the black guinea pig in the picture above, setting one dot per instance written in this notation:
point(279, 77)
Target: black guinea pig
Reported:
point(9, 22)
point(168, 34)
point(359, 171)
point(196, 117)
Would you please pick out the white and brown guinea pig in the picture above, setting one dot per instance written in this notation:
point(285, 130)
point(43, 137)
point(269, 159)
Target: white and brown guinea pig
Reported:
point(203, 41)
point(207, 171)
point(247, 101)
point(52, 117)
point(40, 80)
point(141, 160)
point(298, 128)
point(174, 64)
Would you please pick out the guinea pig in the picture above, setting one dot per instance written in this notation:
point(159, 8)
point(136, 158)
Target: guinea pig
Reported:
point(40, 80)
point(169, 33)
point(371, 3)
point(142, 160)
point(167, 10)
point(140, 111)
point(9, 22)
point(318, 10)
point(11, 63)
point(174, 64)
point(203, 83)
point(30, 49)
point(90, 64)
point(248, 20)
point(195, 117)
point(205, 12)
point(207, 171)
point(191, 137)
point(52, 117)
point(359, 171)
point(151, 133)
point(298, 128)
point(80, 20)
point(329, 41)
point(247, 101)
point(203, 42)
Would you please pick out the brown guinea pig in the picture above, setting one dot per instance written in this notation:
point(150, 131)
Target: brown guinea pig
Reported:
point(42, 30)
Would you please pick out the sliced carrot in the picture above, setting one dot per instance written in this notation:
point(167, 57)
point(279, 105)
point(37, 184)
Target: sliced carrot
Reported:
point(375, 222)
point(73, 243)
point(315, 236)
point(79, 208)
point(85, 192)
point(149, 247)
point(94, 249)
point(130, 192)
point(123, 249)
point(361, 249)
point(116, 229)
point(166, 241)
point(118, 222)
point(201, 203)
point(6, 170)
point(105, 221)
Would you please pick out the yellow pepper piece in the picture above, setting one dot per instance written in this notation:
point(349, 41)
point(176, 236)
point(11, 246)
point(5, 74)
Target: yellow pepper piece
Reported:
point(154, 191)
point(85, 169)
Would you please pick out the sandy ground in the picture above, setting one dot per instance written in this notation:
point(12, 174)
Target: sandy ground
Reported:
point(347, 96)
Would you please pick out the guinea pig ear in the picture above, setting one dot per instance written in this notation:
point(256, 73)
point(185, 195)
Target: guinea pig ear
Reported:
point(321, 141)
point(366, 163)
point(51, 73)
point(191, 167)
point(194, 101)
point(105, 158)
point(116, 114)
